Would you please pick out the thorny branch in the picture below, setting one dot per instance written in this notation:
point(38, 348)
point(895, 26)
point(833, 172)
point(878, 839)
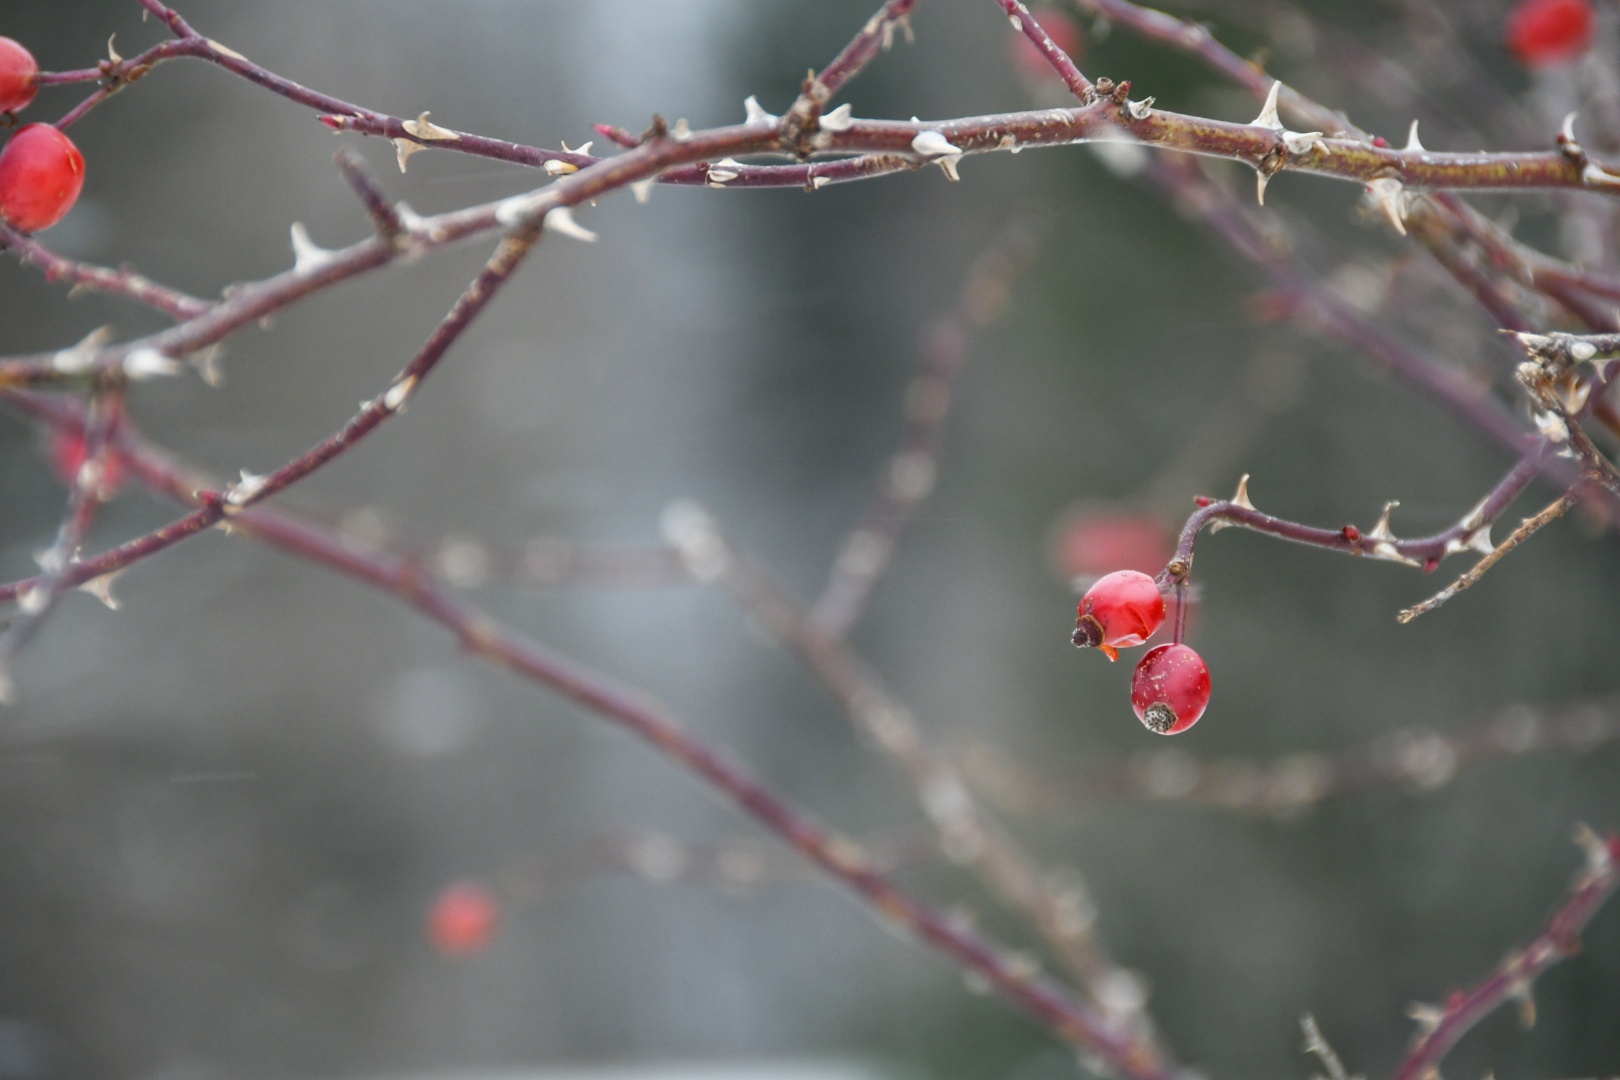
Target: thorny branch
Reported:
point(1010, 973)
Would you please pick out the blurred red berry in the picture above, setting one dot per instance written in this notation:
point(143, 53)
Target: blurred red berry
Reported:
point(463, 919)
point(1063, 31)
point(1542, 33)
point(41, 173)
point(68, 453)
point(1124, 608)
point(1170, 689)
point(1093, 542)
point(19, 76)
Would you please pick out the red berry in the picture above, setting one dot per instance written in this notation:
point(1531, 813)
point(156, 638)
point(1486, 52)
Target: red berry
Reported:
point(1542, 33)
point(1170, 689)
point(1095, 540)
point(68, 452)
point(1064, 34)
point(41, 172)
point(19, 76)
point(463, 918)
point(1123, 609)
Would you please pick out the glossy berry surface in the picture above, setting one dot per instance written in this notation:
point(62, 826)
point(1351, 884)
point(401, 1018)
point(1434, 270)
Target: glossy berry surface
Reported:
point(41, 174)
point(1170, 689)
point(463, 919)
point(1542, 33)
point(19, 76)
point(1122, 609)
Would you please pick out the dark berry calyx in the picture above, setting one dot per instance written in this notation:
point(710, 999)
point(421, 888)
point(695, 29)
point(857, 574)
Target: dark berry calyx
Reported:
point(1159, 718)
point(1088, 632)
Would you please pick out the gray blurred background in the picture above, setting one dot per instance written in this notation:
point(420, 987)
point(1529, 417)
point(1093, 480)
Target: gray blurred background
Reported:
point(225, 809)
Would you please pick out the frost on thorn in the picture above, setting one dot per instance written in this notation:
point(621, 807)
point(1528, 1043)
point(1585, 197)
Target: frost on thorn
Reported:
point(937, 148)
point(206, 361)
point(1381, 531)
point(101, 589)
point(1552, 427)
point(756, 113)
point(1239, 498)
point(1412, 142)
point(423, 128)
point(396, 396)
point(724, 171)
point(403, 149)
point(840, 119)
point(308, 256)
point(245, 490)
point(77, 359)
point(148, 363)
point(1387, 195)
point(1594, 175)
point(1268, 112)
point(561, 220)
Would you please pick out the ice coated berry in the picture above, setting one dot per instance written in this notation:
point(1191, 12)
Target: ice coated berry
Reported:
point(1063, 31)
point(1542, 33)
point(1124, 608)
point(463, 918)
point(19, 76)
point(41, 173)
point(1170, 689)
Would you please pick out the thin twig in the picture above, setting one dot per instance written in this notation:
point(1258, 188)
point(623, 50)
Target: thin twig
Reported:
point(1526, 529)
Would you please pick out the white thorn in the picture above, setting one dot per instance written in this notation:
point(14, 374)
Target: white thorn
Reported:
point(80, 358)
point(1552, 427)
point(756, 113)
point(395, 397)
point(519, 209)
point(1582, 350)
point(1261, 179)
point(423, 128)
point(932, 144)
point(558, 167)
point(243, 492)
point(642, 189)
point(1566, 130)
point(1141, 110)
point(1596, 176)
point(561, 219)
point(1381, 531)
point(1268, 112)
point(583, 148)
point(724, 171)
point(1412, 142)
point(682, 131)
point(403, 149)
point(1386, 194)
point(101, 589)
point(840, 119)
point(1302, 142)
point(148, 363)
point(1241, 496)
point(1480, 541)
point(206, 361)
point(308, 256)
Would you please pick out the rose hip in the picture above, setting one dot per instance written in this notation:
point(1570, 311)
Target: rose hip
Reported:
point(41, 174)
point(1122, 609)
point(19, 76)
point(1170, 689)
point(1542, 33)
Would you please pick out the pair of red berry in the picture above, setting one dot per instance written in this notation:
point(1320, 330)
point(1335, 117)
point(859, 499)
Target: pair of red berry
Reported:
point(1170, 688)
point(41, 171)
